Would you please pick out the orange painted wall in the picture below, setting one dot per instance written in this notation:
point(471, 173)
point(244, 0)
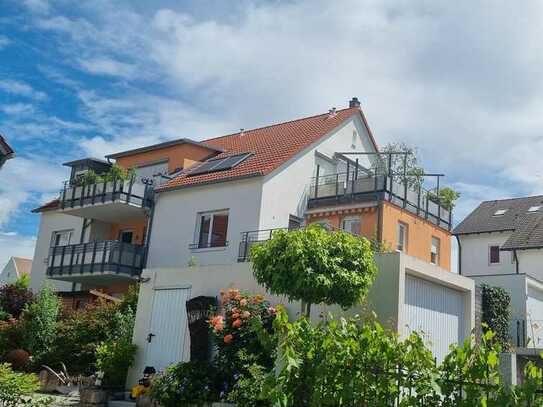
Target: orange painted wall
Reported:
point(137, 225)
point(368, 220)
point(419, 234)
point(175, 155)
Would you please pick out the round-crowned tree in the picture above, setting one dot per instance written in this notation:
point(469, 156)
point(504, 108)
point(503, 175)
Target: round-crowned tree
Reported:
point(314, 266)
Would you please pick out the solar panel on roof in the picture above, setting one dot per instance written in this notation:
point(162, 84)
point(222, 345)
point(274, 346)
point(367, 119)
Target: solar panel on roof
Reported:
point(220, 164)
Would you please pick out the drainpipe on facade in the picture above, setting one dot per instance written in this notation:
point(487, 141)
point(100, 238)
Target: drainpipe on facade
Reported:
point(459, 254)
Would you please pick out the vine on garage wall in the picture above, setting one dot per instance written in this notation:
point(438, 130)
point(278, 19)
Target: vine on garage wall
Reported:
point(497, 313)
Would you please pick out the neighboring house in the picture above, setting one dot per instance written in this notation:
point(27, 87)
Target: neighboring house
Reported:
point(501, 244)
point(323, 169)
point(15, 268)
point(6, 152)
point(189, 234)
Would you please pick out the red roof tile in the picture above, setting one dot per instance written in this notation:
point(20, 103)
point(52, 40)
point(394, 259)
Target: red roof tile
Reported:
point(272, 146)
point(49, 205)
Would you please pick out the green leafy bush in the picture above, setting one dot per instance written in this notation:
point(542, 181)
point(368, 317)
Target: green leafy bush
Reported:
point(496, 307)
point(184, 384)
point(39, 322)
point(115, 355)
point(315, 266)
point(15, 386)
point(14, 297)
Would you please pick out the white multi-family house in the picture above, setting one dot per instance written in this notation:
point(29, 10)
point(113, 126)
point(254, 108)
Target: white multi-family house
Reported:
point(324, 169)
point(501, 244)
point(189, 234)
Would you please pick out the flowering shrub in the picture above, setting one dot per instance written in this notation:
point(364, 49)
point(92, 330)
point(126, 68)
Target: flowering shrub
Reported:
point(192, 383)
point(241, 326)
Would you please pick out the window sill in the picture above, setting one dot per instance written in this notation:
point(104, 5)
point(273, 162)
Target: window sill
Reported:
point(208, 249)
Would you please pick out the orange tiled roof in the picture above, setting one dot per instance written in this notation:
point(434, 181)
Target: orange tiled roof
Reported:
point(272, 146)
point(49, 205)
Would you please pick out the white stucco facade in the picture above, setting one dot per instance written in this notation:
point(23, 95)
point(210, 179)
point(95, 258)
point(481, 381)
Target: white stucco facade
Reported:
point(475, 254)
point(50, 222)
point(175, 222)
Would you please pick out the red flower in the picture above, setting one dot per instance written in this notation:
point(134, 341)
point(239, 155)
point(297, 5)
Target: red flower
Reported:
point(236, 323)
point(228, 338)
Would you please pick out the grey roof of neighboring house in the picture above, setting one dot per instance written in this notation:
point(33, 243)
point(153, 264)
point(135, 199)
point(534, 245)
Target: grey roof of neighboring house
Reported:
point(6, 152)
point(527, 227)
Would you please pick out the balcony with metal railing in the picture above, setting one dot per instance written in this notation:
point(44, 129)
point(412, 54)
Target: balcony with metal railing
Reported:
point(356, 186)
point(529, 333)
point(109, 260)
point(109, 201)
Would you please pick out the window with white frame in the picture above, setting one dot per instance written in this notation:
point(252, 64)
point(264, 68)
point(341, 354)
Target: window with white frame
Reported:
point(211, 229)
point(494, 254)
point(61, 238)
point(402, 237)
point(351, 225)
point(435, 250)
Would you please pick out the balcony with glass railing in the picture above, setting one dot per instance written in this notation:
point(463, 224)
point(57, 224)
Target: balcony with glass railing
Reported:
point(109, 260)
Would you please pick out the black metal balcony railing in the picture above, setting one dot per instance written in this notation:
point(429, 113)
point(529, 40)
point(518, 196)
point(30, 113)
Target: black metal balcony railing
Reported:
point(109, 256)
point(251, 238)
point(352, 186)
point(529, 333)
point(201, 245)
point(128, 191)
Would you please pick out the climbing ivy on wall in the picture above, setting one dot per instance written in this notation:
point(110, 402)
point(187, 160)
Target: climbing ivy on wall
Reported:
point(496, 313)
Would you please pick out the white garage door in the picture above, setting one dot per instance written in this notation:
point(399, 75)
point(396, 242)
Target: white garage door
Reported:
point(435, 311)
point(534, 326)
point(168, 331)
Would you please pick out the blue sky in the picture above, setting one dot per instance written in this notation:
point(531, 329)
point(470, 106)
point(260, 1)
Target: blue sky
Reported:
point(460, 81)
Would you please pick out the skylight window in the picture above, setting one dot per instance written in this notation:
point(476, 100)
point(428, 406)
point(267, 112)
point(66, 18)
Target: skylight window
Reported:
point(220, 164)
point(534, 208)
point(500, 212)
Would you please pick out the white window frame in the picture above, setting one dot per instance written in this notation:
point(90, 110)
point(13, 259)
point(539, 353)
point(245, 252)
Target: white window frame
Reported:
point(402, 226)
point(350, 219)
point(490, 263)
point(437, 252)
point(199, 217)
point(56, 233)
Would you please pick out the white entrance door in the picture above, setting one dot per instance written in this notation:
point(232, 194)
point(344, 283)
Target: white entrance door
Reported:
point(437, 312)
point(168, 330)
point(534, 318)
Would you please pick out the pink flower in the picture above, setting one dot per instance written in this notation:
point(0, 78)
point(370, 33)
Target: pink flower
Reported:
point(228, 338)
point(236, 323)
point(243, 302)
point(246, 314)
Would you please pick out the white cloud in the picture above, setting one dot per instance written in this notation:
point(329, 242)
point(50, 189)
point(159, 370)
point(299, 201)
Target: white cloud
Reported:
point(37, 6)
point(4, 41)
point(24, 178)
point(17, 109)
point(108, 67)
point(21, 89)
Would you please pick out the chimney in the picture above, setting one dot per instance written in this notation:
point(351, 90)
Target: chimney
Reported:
point(332, 112)
point(354, 102)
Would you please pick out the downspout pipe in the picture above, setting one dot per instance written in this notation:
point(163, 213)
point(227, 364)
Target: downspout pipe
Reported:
point(459, 254)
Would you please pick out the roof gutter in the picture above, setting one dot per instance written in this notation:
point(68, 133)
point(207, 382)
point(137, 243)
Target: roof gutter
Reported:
point(211, 182)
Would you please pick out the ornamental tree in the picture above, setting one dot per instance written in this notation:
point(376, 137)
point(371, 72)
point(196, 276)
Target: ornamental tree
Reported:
point(315, 266)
